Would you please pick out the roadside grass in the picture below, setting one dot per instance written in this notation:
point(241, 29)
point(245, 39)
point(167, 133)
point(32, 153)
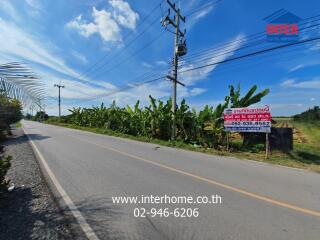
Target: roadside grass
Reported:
point(17, 125)
point(306, 153)
point(306, 144)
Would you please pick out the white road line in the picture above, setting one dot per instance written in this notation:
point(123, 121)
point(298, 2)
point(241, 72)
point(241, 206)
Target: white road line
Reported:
point(75, 212)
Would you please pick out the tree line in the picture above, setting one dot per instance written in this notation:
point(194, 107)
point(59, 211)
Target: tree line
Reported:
point(311, 115)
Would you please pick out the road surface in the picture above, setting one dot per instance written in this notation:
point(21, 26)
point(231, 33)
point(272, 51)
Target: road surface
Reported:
point(259, 201)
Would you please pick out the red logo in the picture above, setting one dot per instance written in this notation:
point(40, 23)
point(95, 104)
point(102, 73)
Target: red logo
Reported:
point(283, 29)
point(282, 26)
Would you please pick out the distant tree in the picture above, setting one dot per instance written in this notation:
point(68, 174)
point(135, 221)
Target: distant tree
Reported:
point(28, 116)
point(41, 116)
point(311, 115)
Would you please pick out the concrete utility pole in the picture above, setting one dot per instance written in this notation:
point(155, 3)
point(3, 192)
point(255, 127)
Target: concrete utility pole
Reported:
point(40, 107)
point(180, 49)
point(59, 87)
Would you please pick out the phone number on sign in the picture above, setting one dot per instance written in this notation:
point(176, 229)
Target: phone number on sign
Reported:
point(247, 123)
point(166, 212)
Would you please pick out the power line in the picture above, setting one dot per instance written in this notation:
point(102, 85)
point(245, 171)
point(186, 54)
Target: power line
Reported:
point(134, 85)
point(220, 62)
point(251, 54)
point(287, 55)
point(120, 52)
point(118, 63)
point(211, 56)
point(96, 63)
point(205, 5)
point(241, 40)
point(185, 63)
point(228, 60)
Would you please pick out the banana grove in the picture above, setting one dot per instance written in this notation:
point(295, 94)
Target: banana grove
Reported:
point(154, 121)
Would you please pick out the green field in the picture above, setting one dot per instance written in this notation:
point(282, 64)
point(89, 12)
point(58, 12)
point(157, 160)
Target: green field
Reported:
point(306, 152)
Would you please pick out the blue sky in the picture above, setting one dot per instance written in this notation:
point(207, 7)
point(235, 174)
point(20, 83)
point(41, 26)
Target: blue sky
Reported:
point(84, 45)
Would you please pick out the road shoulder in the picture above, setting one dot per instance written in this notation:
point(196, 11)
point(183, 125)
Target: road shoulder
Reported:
point(29, 211)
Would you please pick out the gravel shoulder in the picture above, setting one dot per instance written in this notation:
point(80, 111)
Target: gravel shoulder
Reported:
point(29, 211)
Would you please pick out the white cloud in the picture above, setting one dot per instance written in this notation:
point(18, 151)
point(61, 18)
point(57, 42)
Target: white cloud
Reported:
point(162, 88)
point(190, 78)
point(124, 14)
point(159, 90)
point(203, 13)
point(9, 10)
point(33, 3)
point(286, 105)
point(311, 84)
point(286, 109)
point(295, 68)
point(287, 83)
point(315, 47)
point(35, 7)
point(26, 47)
point(146, 65)
point(103, 24)
point(79, 56)
point(107, 23)
point(303, 65)
point(312, 99)
point(75, 90)
point(161, 63)
point(196, 16)
point(197, 91)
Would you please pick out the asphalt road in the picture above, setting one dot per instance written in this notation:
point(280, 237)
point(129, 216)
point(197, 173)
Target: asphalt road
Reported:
point(259, 201)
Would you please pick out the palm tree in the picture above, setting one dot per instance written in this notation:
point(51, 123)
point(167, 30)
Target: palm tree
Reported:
point(18, 82)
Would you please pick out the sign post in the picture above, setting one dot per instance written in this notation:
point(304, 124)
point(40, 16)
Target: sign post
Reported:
point(256, 119)
point(267, 145)
point(228, 141)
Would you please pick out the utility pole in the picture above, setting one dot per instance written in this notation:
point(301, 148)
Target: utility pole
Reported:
point(59, 87)
point(40, 107)
point(44, 111)
point(180, 49)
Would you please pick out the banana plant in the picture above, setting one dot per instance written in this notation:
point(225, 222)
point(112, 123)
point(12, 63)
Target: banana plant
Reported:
point(215, 126)
point(248, 99)
point(185, 120)
point(155, 121)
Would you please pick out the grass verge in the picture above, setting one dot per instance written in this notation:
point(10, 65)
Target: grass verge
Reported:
point(17, 125)
point(304, 156)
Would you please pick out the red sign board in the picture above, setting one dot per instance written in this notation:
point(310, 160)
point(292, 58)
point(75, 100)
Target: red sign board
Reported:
point(247, 119)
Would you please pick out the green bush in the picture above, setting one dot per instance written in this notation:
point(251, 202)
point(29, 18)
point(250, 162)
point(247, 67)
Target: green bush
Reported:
point(10, 112)
point(257, 148)
point(40, 116)
point(4, 166)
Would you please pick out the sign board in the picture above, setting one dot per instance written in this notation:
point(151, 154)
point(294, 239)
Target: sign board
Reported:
point(247, 119)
